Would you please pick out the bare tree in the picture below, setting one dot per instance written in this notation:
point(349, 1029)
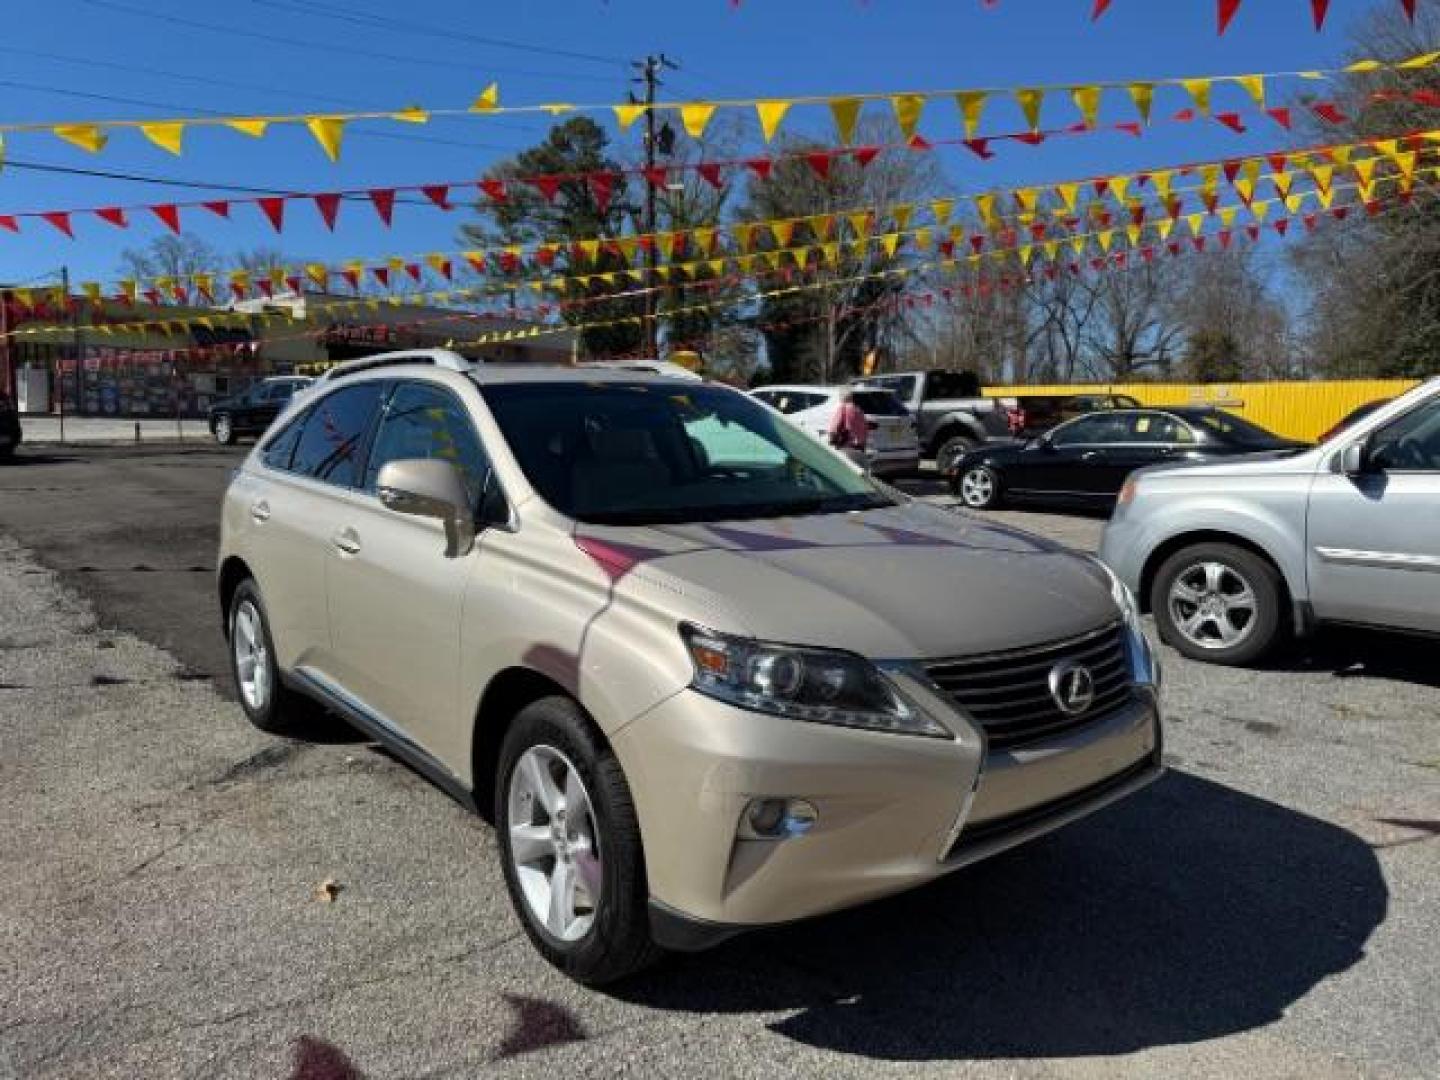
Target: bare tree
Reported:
point(1134, 331)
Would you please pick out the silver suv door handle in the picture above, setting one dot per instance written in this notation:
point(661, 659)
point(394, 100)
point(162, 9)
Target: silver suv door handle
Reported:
point(260, 510)
point(347, 540)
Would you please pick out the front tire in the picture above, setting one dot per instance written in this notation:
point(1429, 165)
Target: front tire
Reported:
point(949, 453)
point(1219, 604)
point(570, 845)
point(268, 703)
point(978, 488)
point(224, 429)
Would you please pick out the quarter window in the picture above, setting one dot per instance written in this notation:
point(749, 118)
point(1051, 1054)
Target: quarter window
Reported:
point(333, 443)
point(423, 421)
point(281, 446)
point(1095, 428)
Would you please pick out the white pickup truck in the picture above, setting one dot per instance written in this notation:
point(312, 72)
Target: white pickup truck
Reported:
point(950, 414)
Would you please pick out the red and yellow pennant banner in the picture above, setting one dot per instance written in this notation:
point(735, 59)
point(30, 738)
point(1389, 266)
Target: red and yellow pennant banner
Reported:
point(1119, 200)
point(907, 108)
point(1226, 10)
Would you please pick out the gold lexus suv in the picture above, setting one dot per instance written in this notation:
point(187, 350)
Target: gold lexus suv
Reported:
point(704, 673)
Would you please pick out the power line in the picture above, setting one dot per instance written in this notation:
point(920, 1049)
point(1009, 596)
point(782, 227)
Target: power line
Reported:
point(328, 11)
point(313, 43)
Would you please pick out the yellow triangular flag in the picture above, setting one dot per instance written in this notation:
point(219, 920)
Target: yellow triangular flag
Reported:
point(1068, 193)
point(846, 112)
point(901, 214)
point(488, 100)
point(1119, 185)
point(626, 115)
point(86, 136)
point(319, 273)
point(907, 108)
point(1254, 85)
point(1087, 100)
point(1199, 91)
point(1164, 227)
point(1162, 180)
point(252, 126)
point(942, 209)
point(1105, 237)
point(411, 114)
point(328, 131)
point(1227, 215)
point(1031, 100)
point(890, 241)
point(1132, 232)
point(770, 114)
point(972, 105)
point(859, 223)
point(1196, 223)
point(1294, 203)
point(782, 231)
point(985, 204)
point(696, 118)
point(165, 136)
point(1143, 95)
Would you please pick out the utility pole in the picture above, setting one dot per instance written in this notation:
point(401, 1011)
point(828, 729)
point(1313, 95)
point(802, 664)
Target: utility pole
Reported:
point(650, 69)
point(71, 316)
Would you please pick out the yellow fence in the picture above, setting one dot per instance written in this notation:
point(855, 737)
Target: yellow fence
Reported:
point(1299, 410)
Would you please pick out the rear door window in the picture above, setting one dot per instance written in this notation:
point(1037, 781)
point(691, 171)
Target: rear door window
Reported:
point(879, 403)
point(280, 448)
point(332, 445)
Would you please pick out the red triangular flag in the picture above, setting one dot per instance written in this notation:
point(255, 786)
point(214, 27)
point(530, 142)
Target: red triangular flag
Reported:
point(548, 186)
point(8, 223)
point(218, 207)
point(1232, 170)
point(602, 186)
point(1225, 237)
point(819, 163)
point(329, 207)
point(1225, 11)
point(1409, 6)
point(495, 189)
point(864, 155)
point(61, 220)
point(1232, 121)
point(1282, 226)
point(1030, 138)
point(273, 207)
point(1130, 127)
point(1281, 116)
point(413, 269)
point(1329, 112)
point(980, 148)
point(1320, 7)
point(439, 194)
point(760, 167)
point(352, 278)
point(265, 287)
point(384, 201)
point(114, 215)
point(382, 275)
point(1340, 213)
point(294, 284)
point(169, 213)
point(710, 173)
point(658, 177)
point(1252, 231)
point(1310, 222)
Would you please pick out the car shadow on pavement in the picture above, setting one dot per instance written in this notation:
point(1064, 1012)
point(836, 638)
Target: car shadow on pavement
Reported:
point(1189, 912)
point(1361, 653)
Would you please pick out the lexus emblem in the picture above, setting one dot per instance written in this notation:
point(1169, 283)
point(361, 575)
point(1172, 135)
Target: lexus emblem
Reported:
point(1072, 686)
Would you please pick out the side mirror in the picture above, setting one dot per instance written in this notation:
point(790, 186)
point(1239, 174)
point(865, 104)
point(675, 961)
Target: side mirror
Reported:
point(1040, 442)
point(1355, 459)
point(430, 488)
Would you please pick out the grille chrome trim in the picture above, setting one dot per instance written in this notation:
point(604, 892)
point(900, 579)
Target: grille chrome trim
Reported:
point(1007, 694)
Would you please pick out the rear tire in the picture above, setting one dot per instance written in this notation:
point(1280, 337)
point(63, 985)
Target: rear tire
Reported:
point(594, 939)
point(1219, 604)
point(268, 703)
point(949, 453)
point(978, 488)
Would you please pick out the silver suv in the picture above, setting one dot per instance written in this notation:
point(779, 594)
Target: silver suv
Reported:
point(704, 673)
point(1231, 557)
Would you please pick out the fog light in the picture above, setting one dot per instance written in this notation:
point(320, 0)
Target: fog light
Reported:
point(777, 819)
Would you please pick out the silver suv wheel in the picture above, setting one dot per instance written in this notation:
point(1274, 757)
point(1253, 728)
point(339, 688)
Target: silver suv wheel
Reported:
point(1212, 605)
point(554, 845)
point(224, 432)
point(252, 662)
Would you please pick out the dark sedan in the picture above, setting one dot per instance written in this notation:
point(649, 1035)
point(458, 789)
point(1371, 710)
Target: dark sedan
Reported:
point(250, 412)
point(1086, 461)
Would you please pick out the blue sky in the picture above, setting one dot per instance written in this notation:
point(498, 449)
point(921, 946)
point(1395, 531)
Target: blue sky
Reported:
point(764, 48)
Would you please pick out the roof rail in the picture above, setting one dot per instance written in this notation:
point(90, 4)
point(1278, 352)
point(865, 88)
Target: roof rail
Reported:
point(440, 358)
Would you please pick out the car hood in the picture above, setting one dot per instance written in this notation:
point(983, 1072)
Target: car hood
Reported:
point(906, 582)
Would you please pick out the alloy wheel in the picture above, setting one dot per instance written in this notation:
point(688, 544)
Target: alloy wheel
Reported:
point(554, 843)
point(252, 659)
point(977, 488)
point(222, 428)
point(1213, 605)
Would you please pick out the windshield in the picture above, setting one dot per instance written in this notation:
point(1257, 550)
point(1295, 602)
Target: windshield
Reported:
point(645, 454)
point(1233, 429)
point(879, 403)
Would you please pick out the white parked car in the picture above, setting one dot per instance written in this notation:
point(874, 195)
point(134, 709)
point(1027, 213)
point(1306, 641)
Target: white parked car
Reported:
point(894, 442)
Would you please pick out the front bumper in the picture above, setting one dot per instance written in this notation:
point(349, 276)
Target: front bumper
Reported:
point(1124, 548)
point(894, 811)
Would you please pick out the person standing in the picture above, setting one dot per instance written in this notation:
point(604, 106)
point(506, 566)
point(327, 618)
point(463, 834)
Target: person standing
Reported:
point(850, 430)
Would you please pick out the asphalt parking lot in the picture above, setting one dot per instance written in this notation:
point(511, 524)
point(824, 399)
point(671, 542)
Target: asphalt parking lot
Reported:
point(1272, 907)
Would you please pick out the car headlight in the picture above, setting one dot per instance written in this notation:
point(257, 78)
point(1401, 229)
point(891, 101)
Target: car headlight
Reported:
point(1144, 664)
point(823, 686)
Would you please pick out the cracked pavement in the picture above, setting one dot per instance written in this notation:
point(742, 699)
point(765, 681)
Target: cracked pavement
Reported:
point(1272, 907)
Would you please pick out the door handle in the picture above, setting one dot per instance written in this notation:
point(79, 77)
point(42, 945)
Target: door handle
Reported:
point(347, 540)
point(1089, 455)
point(260, 510)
